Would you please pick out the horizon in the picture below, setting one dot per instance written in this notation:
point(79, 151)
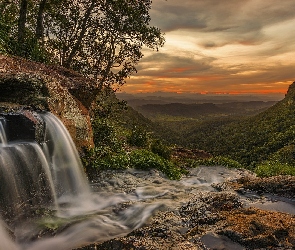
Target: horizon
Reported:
point(191, 96)
point(202, 93)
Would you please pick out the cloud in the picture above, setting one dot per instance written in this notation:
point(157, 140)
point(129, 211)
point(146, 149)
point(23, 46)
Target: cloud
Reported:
point(174, 66)
point(220, 45)
point(173, 73)
point(243, 20)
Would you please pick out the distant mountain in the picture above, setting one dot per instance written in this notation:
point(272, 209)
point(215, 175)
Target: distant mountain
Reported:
point(179, 109)
point(204, 109)
point(251, 139)
point(140, 99)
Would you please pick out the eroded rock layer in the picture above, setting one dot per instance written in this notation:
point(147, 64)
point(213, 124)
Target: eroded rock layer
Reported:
point(65, 93)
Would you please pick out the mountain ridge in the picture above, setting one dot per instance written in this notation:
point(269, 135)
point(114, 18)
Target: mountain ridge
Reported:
point(252, 139)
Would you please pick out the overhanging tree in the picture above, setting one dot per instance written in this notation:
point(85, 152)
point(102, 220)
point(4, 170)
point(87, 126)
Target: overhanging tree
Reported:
point(101, 39)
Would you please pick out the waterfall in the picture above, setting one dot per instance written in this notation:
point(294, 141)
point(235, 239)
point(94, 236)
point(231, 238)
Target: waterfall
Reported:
point(3, 139)
point(32, 174)
point(45, 181)
point(6, 241)
point(63, 158)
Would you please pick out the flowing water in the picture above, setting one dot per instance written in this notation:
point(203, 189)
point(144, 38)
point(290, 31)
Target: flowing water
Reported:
point(3, 139)
point(44, 191)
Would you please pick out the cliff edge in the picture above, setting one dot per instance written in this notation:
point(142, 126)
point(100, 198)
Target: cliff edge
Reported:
point(63, 92)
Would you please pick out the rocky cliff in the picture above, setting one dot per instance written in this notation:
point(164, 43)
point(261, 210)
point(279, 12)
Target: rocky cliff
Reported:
point(65, 93)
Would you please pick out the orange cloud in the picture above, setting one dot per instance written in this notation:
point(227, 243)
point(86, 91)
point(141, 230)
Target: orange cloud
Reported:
point(204, 84)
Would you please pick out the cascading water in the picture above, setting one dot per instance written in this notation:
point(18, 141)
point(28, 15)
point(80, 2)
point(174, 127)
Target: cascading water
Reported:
point(3, 139)
point(63, 159)
point(44, 186)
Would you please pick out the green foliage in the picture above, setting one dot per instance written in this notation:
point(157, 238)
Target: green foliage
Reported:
point(4, 38)
point(218, 161)
point(159, 148)
point(107, 106)
point(109, 151)
point(110, 143)
point(187, 163)
point(102, 158)
point(30, 49)
point(272, 168)
point(285, 155)
point(101, 39)
point(138, 137)
point(248, 140)
point(105, 135)
point(145, 159)
point(5, 31)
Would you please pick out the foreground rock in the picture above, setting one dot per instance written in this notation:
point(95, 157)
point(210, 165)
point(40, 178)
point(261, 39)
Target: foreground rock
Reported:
point(195, 215)
point(65, 93)
point(212, 221)
point(279, 185)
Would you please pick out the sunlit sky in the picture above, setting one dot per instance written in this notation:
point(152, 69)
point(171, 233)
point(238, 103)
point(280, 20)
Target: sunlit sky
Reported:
point(220, 46)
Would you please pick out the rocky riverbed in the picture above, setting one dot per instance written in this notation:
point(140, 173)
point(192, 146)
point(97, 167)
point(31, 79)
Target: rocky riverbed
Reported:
point(211, 208)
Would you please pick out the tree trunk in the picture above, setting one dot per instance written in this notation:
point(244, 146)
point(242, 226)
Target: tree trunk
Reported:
point(84, 27)
point(39, 26)
point(22, 21)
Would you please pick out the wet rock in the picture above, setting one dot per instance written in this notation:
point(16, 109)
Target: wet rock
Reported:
point(255, 228)
point(19, 127)
point(282, 185)
point(160, 234)
point(220, 242)
point(63, 92)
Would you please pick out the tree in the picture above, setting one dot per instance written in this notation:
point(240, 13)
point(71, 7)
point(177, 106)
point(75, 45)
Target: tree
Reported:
point(22, 21)
point(39, 21)
point(101, 39)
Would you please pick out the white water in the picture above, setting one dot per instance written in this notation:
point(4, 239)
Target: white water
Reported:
point(3, 139)
point(63, 157)
point(44, 187)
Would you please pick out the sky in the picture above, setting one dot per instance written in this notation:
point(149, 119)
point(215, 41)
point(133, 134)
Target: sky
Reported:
point(220, 46)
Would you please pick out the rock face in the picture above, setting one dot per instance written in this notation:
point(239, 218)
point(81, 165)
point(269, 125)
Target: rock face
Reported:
point(63, 92)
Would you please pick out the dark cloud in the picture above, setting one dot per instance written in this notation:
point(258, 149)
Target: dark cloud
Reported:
point(177, 17)
point(243, 20)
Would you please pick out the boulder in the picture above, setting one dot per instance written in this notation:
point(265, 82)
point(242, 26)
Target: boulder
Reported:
point(65, 93)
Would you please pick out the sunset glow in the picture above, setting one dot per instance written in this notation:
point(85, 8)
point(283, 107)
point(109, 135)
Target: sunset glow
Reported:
point(220, 47)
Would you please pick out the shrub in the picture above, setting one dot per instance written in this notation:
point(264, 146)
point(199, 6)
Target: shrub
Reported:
point(285, 155)
point(101, 158)
point(138, 137)
point(105, 135)
point(159, 148)
point(144, 159)
point(272, 168)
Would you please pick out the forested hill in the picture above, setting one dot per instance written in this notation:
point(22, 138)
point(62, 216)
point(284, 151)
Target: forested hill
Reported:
point(268, 135)
point(196, 110)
